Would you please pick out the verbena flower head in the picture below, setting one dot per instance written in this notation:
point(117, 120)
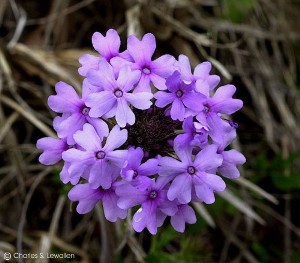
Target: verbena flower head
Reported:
point(146, 134)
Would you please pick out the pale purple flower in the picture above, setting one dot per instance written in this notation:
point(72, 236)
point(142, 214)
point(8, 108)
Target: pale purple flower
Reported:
point(114, 99)
point(107, 46)
point(103, 162)
point(138, 173)
point(141, 52)
point(231, 159)
point(221, 103)
point(155, 205)
point(89, 197)
point(201, 78)
point(181, 96)
point(188, 174)
point(184, 214)
point(75, 112)
point(195, 134)
point(52, 149)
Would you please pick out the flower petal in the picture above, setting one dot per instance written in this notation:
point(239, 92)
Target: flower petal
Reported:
point(208, 158)
point(150, 167)
point(101, 175)
point(88, 138)
point(68, 126)
point(214, 182)
point(204, 193)
point(88, 62)
point(100, 103)
point(170, 166)
point(181, 188)
point(128, 78)
point(140, 100)
point(158, 82)
point(177, 110)
point(107, 46)
point(193, 101)
point(104, 77)
point(115, 139)
point(53, 149)
point(143, 84)
point(163, 66)
point(111, 210)
point(117, 157)
point(124, 114)
point(66, 100)
point(141, 51)
point(163, 98)
point(185, 68)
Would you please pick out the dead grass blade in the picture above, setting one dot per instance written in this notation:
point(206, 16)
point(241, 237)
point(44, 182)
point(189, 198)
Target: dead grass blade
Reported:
point(182, 30)
point(37, 62)
point(7, 125)
point(255, 188)
point(200, 208)
point(28, 115)
point(241, 205)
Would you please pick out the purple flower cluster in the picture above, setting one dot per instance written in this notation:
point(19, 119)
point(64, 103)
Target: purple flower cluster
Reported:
point(148, 135)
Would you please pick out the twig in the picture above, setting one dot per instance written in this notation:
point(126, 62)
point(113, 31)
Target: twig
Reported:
point(54, 16)
point(35, 184)
point(182, 30)
point(29, 116)
point(22, 17)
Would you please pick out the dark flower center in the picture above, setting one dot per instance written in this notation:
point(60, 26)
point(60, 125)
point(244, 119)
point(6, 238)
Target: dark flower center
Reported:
point(191, 170)
point(100, 155)
point(179, 93)
point(118, 93)
point(233, 124)
point(153, 195)
point(85, 110)
point(135, 174)
point(206, 108)
point(152, 132)
point(146, 70)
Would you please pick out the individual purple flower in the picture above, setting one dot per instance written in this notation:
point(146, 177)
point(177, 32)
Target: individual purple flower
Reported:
point(66, 177)
point(102, 162)
point(223, 137)
point(141, 52)
point(203, 80)
point(155, 205)
point(52, 149)
point(138, 173)
point(181, 96)
point(195, 134)
point(114, 99)
point(89, 197)
point(75, 112)
point(184, 214)
point(188, 174)
point(108, 46)
point(221, 103)
point(231, 159)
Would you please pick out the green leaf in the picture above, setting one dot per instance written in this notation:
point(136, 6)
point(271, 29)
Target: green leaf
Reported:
point(286, 183)
point(236, 11)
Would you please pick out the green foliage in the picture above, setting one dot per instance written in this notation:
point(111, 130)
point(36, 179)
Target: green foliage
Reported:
point(295, 257)
point(237, 11)
point(279, 170)
point(261, 251)
point(171, 246)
